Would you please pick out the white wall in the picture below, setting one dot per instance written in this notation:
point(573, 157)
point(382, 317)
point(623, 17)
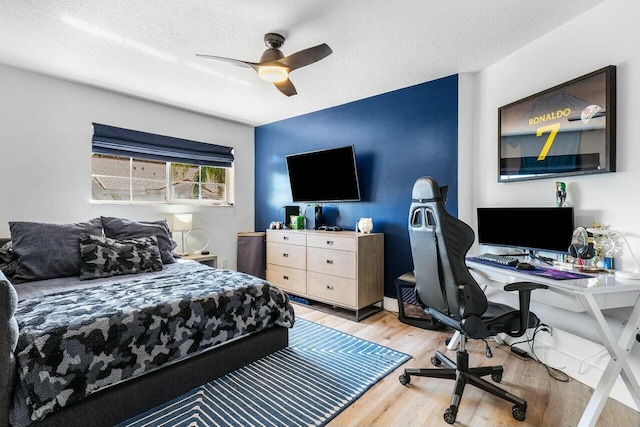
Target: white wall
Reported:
point(608, 34)
point(45, 155)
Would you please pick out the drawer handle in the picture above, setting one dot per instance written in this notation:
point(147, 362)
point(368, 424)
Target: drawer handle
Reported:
point(329, 261)
point(285, 255)
point(329, 242)
point(285, 277)
point(330, 287)
point(285, 238)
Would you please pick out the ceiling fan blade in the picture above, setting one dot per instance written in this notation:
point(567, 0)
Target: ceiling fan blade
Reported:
point(305, 57)
point(286, 87)
point(231, 61)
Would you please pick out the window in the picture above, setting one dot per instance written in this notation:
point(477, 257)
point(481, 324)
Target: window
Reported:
point(190, 182)
point(133, 166)
point(127, 179)
point(136, 180)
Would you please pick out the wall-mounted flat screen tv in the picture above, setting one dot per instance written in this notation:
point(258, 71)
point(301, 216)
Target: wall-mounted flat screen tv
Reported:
point(324, 176)
point(536, 229)
point(569, 129)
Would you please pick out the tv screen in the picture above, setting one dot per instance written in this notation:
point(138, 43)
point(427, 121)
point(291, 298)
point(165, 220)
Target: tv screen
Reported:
point(324, 176)
point(537, 229)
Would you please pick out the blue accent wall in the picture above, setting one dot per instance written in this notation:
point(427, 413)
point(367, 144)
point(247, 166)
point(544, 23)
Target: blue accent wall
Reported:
point(398, 137)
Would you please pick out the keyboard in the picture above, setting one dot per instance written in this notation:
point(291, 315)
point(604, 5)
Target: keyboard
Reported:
point(499, 259)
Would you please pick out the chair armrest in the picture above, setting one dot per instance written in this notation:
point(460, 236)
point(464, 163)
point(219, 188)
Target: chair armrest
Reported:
point(524, 296)
point(524, 286)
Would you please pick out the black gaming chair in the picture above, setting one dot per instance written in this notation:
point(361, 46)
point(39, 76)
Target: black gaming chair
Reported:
point(449, 294)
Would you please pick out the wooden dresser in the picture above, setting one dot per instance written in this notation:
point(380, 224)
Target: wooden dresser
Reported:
point(338, 268)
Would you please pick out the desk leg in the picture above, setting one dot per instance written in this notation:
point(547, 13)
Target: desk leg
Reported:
point(618, 365)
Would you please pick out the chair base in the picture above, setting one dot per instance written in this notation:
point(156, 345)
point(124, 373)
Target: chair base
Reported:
point(463, 375)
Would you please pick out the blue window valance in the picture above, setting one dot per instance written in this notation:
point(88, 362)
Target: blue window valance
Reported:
point(115, 141)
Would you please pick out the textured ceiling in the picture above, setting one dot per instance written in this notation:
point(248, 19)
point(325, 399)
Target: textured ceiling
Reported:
point(147, 48)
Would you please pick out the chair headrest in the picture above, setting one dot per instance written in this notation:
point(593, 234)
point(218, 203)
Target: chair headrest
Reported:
point(426, 189)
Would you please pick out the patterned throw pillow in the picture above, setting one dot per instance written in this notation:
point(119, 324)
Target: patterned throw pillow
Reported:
point(104, 257)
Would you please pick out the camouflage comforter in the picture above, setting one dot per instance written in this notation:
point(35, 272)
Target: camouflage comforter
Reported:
point(74, 343)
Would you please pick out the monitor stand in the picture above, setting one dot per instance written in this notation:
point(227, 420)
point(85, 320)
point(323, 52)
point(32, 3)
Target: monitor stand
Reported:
point(543, 259)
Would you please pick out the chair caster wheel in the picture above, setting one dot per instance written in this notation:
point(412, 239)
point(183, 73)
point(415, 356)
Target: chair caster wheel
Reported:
point(435, 361)
point(450, 414)
point(519, 413)
point(496, 377)
point(404, 379)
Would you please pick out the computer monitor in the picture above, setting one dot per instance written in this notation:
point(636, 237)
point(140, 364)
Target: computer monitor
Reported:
point(534, 229)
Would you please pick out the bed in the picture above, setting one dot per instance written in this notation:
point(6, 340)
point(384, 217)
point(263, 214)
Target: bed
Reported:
point(97, 352)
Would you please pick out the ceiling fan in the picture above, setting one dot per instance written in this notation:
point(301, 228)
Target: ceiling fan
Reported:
point(274, 67)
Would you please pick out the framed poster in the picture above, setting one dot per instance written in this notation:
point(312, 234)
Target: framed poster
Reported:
point(569, 129)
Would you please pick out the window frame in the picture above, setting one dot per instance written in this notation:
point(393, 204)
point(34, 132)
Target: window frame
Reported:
point(168, 198)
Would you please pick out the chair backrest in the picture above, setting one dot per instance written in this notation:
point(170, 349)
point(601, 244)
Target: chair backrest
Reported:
point(439, 244)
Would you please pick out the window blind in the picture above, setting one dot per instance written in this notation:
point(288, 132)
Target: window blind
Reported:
point(115, 141)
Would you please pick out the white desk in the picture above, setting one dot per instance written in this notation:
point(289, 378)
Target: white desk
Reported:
point(592, 295)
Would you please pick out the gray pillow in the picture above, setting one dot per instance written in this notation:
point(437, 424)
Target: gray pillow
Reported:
point(121, 228)
point(104, 257)
point(46, 251)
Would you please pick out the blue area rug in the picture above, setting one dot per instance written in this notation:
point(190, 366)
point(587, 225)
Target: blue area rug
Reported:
point(310, 382)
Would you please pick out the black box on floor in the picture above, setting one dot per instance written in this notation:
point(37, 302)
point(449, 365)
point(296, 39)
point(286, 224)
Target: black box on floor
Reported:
point(409, 309)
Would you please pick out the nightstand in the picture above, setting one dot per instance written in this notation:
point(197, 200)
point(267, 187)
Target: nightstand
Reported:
point(210, 260)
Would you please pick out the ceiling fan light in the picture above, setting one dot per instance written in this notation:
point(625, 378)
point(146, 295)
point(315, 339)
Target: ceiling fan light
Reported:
point(273, 74)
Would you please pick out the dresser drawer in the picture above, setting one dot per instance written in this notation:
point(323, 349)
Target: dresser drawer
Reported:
point(340, 290)
point(288, 237)
point(329, 241)
point(287, 255)
point(287, 279)
point(338, 263)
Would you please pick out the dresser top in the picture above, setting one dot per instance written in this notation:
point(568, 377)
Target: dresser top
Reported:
point(343, 233)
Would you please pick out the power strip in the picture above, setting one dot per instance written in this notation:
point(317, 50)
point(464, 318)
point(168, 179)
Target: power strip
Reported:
point(519, 352)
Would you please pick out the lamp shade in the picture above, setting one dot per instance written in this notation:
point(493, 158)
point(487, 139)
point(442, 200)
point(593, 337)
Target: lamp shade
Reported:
point(274, 74)
point(182, 222)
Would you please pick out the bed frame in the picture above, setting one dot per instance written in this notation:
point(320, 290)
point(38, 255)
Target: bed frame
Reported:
point(136, 395)
point(132, 397)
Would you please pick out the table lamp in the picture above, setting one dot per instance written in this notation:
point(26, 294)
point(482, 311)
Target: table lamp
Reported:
point(610, 234)
point(182, 223)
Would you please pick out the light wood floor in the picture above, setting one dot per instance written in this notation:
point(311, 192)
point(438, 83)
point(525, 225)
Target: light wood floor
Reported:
point(388, 403)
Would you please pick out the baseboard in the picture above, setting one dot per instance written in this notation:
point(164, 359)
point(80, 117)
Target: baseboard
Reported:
point(390, 304)
point(579, 358)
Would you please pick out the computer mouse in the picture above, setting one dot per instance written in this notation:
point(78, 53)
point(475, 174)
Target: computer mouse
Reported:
point(524, 266)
